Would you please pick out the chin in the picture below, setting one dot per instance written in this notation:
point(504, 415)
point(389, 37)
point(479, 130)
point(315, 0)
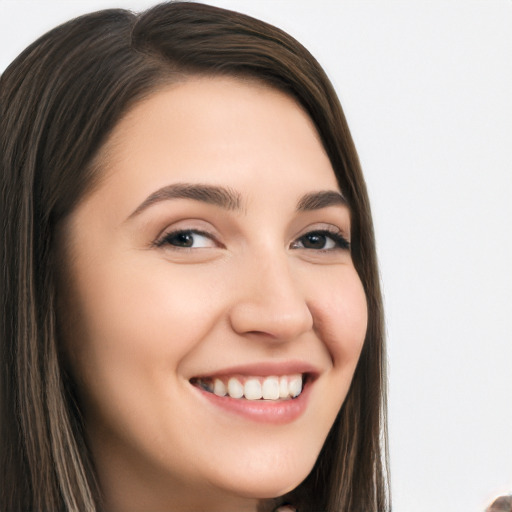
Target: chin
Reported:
point(266, 484)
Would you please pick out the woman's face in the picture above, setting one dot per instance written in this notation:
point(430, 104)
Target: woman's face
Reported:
point(213, 258)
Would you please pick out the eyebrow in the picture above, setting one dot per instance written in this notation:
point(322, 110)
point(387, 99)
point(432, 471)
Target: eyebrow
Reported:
point(319, 200)
point(211, 194)
point(231, 200)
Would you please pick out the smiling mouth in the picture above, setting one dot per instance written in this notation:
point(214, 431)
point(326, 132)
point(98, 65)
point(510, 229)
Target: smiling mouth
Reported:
point(271, 388)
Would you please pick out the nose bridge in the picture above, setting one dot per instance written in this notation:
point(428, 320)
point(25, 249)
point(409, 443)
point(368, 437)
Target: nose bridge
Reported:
point(270, 300)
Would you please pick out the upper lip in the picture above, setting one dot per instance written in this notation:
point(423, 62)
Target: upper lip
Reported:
point(265, 369)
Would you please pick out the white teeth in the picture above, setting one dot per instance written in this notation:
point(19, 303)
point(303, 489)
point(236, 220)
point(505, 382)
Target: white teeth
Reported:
point(255, 388)
point(235, 388)
point(252, 389)
point(283, 387)
point(270, 388)
point(219, 388)
point(295, 385)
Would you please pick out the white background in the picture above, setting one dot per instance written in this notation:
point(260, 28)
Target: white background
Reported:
point(427, 90)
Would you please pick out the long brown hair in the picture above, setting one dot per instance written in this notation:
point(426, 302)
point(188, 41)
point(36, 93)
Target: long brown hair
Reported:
point(59, 100)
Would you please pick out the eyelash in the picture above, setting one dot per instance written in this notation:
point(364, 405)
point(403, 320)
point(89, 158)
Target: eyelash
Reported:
point(341, 243)
point(167, 239)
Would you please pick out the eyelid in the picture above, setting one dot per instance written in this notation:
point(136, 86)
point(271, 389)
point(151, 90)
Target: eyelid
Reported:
point(163, 239)
point(335, 233)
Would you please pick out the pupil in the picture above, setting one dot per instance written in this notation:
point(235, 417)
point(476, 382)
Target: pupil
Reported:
point(183, 239)
point(314, 241)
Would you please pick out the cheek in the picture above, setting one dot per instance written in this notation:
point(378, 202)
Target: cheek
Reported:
point(132, 321)
point(139, 304)
point(341, 319)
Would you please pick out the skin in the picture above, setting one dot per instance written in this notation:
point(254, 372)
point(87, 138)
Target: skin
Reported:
point(144, 316)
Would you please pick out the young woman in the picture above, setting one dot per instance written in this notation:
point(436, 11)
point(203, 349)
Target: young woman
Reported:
point(191, 315)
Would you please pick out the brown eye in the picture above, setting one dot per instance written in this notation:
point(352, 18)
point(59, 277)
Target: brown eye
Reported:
point(183, 239)
point(187, 239)
point(321, 240)
point(315, 241)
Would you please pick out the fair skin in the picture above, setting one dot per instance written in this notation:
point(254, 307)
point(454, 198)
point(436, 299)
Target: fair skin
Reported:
point(251, 280)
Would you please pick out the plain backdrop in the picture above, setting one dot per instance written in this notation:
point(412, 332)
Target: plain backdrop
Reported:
point(427, 90)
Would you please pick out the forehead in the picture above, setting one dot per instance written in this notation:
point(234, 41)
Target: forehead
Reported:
point(221, 131)
point(213, 111)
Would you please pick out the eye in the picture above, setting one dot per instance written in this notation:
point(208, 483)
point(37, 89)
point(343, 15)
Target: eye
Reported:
point(187, 239)
point(322, 240)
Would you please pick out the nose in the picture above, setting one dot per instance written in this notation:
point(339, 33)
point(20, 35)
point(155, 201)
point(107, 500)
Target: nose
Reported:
point(269, 301)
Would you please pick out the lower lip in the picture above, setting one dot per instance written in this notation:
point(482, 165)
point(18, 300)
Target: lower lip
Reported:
point(264, 411)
